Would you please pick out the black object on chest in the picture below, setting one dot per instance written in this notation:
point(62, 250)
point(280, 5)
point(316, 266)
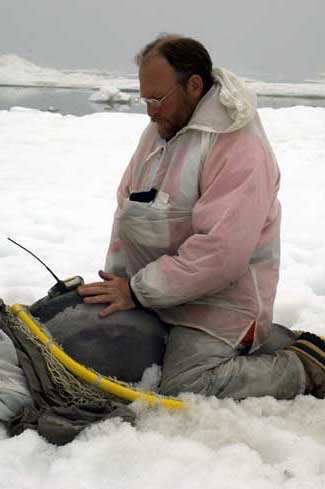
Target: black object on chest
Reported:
point(148, 196)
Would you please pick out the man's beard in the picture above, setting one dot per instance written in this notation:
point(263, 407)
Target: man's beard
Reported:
point(168, 127)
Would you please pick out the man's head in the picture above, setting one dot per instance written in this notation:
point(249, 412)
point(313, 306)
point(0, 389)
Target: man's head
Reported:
point(175, 72)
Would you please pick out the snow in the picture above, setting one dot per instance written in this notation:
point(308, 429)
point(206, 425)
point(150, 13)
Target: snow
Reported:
point(298, 90)
point(17, 71)
point(111, 95)
point(58, 177)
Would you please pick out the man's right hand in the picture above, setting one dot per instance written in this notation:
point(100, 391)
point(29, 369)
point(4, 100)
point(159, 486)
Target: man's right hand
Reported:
point(113, 291)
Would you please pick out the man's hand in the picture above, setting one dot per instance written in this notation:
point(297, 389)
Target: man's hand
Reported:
point(114, 291)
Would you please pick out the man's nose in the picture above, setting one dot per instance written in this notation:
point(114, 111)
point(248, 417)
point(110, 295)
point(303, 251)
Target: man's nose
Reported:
point(152, 110)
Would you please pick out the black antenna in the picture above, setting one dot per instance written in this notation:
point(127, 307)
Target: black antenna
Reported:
point(31, 253)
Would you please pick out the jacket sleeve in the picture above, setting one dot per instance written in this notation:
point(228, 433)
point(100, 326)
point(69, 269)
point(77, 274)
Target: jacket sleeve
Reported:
point(238, 185)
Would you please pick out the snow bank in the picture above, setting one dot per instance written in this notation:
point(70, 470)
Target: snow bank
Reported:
point(110, 95)
point(58, 177)
point(298, 90)
point(16, 71)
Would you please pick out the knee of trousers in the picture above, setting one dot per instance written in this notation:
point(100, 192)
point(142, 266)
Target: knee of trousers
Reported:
point(192, 380)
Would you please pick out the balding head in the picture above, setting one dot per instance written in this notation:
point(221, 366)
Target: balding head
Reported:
point(185, 55)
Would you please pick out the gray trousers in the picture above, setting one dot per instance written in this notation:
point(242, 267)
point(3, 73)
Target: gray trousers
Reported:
point(196, 362)
point(14, 392)
point(193, 362)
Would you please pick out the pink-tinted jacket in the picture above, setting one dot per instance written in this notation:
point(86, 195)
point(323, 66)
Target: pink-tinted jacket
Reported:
point(205, 253)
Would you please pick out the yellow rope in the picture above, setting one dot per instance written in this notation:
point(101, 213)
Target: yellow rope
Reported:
point(88, 375)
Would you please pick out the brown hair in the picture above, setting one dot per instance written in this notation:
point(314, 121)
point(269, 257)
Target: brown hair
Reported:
point(186, 55)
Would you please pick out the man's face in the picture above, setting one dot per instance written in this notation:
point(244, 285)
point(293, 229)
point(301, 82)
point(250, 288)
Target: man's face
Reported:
point(158, 79)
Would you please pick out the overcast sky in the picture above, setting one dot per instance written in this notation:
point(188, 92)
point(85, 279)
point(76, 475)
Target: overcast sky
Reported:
point(276, 39)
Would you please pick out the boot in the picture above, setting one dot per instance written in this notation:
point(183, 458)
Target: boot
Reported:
point(310, 349)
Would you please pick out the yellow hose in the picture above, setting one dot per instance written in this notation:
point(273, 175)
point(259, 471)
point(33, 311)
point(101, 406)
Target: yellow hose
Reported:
point(88, 375)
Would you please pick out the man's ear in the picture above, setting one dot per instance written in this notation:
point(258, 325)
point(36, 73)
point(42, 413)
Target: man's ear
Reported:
point(195, 86)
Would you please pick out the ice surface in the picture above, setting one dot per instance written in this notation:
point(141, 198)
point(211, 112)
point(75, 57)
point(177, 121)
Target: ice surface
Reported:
point(299, 90)
point(58, 177)
point(111, 95)
point(17, 71)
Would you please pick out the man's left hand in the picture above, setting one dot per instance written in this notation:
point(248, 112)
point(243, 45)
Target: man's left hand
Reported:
point(113, 291)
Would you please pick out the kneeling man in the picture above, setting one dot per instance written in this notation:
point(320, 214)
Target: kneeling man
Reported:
point(196, 236)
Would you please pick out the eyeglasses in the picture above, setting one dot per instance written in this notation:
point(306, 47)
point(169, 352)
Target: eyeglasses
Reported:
point(156, 102)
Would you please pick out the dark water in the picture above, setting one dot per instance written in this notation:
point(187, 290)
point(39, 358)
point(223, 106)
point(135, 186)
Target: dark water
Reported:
point(76, 101)
point(65, 101)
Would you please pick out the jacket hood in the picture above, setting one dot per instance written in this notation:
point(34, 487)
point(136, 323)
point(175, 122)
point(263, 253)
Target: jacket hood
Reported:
point(228, 106)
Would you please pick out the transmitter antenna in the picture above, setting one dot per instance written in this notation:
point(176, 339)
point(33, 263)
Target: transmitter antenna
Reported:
point(38, 259)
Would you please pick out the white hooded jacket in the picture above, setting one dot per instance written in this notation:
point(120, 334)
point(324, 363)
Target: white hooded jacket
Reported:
point(205, 252)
